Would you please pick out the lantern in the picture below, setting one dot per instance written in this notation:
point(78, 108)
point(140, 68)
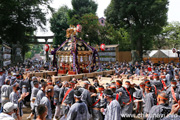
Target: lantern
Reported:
point(66, 59)
point(81, 59)
point(78, 28)
point(174, 50)
point(102, 47)
point(62, 58)
point(46, 47)
point(70, 58)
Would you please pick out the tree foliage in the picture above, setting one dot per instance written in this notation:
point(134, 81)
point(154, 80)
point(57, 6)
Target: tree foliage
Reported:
point(142, 19)
point(169, 37)
point(59, 24)
point(81, 7)
point(35, 49)
point(83, 13)
point(160, 41)
point(109, 35)
point(172, 35)
point(20, 18)
point(90, 26)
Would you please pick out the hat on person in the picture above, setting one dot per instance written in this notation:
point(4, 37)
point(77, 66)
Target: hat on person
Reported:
point(9, 107)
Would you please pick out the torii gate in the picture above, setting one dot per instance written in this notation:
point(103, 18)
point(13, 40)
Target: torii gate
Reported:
point(46, 38)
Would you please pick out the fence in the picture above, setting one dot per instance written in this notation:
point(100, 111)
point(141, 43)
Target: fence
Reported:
point(166, 60)
point(124, 56)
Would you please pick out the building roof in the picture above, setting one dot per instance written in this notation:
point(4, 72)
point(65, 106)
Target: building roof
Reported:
point(110, 46)
point(161, 54)
point(169, 53)
point(102, 18)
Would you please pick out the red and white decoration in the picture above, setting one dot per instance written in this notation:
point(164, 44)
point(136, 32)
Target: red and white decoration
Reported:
point(79, 28)
point(102, 47)
point(46, 47)
point(174, 50)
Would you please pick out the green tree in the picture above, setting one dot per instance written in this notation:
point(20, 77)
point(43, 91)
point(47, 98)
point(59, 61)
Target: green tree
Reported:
point(122, 38)
point(59, 24)
point(104, 33)
point(90, 26)
point(172, 35)
point(109, 35)
point(142, 19)
point(169, 37)
point(160, 41)
point(35, 49)
point(83, 13)
point(28, 55)
point(81, 7)
point(20, 18)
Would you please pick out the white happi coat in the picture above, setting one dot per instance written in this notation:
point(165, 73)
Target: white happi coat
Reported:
point(112, 111)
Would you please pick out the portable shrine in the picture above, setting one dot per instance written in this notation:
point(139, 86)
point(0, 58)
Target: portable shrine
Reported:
point(74, 55)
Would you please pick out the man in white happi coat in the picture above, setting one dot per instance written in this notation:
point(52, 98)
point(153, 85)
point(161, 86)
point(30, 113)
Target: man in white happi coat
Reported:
point(112, 112)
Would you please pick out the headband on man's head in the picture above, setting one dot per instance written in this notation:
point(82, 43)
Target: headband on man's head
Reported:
point(77, 96)
point(162, 97)
point(109, 95)
point(49, 83)
point(101, 88)
point(128, 83)
point(147, 81)
point(117, 83)
point(173, 82)
point(142, 85)
point(113, 87)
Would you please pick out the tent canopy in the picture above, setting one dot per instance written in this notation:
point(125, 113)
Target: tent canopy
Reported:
point(160, 54)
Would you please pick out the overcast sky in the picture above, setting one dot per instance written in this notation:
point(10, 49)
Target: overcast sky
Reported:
point(173, 13)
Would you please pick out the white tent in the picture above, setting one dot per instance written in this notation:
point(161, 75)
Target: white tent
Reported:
point(161, 54)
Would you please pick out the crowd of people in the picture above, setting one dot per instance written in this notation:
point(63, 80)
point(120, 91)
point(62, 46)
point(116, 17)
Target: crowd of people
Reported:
point(156, 97)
